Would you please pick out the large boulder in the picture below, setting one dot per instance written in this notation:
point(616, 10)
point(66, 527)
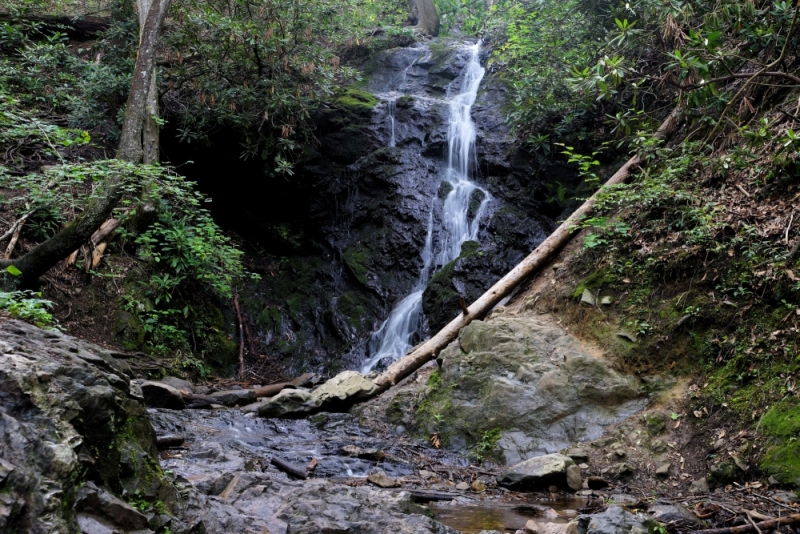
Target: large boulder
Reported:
point(71, 433)
point(345, 388)
point(537, 473)
point(287, 403)
point(160, 395)
point(528, 382)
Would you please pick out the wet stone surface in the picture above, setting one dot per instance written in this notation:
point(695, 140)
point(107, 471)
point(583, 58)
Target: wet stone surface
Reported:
point(230, 440)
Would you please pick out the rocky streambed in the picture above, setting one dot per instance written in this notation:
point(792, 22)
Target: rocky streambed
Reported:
point(515, 429)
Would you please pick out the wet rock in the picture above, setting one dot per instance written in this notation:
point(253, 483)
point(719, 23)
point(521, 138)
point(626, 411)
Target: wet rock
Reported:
point(96, 501)
point(596, 483)
point(666, 512)
point(61, 399)
point(345, 388)
point(272, 390)
point(535, 527)
point(289, 402)
point(623, 499)
point(365, 454)
point(537, 473)
point(537, 385)
point(786, 497)
point(158, 395)
point(382, 480)
point(184, 386)
point(240, 397)
point(699, 486)
point(615, 520)
point(574, 479)
point(462, 486)
point(254, 407)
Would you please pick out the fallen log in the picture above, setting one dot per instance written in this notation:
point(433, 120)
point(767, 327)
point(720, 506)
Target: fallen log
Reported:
point(199, 402)
point(273, 389)
point(169, 441)
point(290, 469)
point(750, 527)
point(535, 260)
point(422, 496)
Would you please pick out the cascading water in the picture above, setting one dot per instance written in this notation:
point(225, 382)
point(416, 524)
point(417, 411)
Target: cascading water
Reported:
point(393, 339)
point(391, 105)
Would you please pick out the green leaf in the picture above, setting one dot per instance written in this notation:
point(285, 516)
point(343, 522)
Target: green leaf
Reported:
point(13, 271)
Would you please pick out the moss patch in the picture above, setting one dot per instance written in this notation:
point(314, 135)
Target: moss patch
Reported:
point(354, 98)
point(356, 258)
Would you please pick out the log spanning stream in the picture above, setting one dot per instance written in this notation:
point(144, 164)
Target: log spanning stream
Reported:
point(395, 335)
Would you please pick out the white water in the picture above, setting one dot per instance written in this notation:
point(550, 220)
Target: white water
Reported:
point(391, 106)
point(393, 339)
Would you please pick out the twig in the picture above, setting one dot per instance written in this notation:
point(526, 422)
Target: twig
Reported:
point(764, 525)
point(788, 227)
point(14, 239)
point(752, 522)
point(740, 188)
point(241, 334)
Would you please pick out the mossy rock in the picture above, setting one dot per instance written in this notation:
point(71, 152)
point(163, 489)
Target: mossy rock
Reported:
point(357, 259)
point(356, 99)
point(782, 424)
point(596, 280)
point(128, 330)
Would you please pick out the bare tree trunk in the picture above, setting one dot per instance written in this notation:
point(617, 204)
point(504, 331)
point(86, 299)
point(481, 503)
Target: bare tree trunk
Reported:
point(423, 17)
point(536, 259)
point(150, 130)
point(130, 145)
point(39, 260)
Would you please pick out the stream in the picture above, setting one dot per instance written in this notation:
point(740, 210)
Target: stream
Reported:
point(222, 445)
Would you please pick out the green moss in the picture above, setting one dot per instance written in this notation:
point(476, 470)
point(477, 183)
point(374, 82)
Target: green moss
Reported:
point(598, 279)
point(783, 462)
point(356, 258)
point(354, 98)
point(782, 420)
point(354, 307)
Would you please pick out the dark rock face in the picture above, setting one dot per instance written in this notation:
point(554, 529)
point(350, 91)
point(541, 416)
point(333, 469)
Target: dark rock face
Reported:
point(369, 204)
point(68, 416)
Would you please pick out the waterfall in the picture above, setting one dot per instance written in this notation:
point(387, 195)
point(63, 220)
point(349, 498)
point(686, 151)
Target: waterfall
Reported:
point(393, 338)
point(391, 105)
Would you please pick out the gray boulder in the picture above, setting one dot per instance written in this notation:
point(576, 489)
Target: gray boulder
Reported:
point(529, 379)
point(537, 473)
point(184, 386)
point(68, 421)
point(667, 512)
point(159, 395)
point(287, 403)
point(616, 520)
point(237, 397)
point(346, 387)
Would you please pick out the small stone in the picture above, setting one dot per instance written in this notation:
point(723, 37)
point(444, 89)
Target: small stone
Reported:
point(578, 455)
point(623, 499)
point(400, 430)
point(478, 486)
point(627, 335)
point(699, 486)
point(663, 470)
point(537, 473)
point(606, 301)
point(655, 422)
point(382, 480)
point(787, 497)
point(588, 298)
point(596, 483)
point(718, 444)
point(462, 486)
point(574, 479)
point(583, 466)
point(622, 469)
point(773, 481)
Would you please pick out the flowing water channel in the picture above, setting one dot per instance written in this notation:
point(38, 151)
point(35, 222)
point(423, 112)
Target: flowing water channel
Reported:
point(458, 224)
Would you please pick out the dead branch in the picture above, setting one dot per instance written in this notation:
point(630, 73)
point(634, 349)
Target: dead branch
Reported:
point(764, 525)
point(289, 469)
point(241, 334)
